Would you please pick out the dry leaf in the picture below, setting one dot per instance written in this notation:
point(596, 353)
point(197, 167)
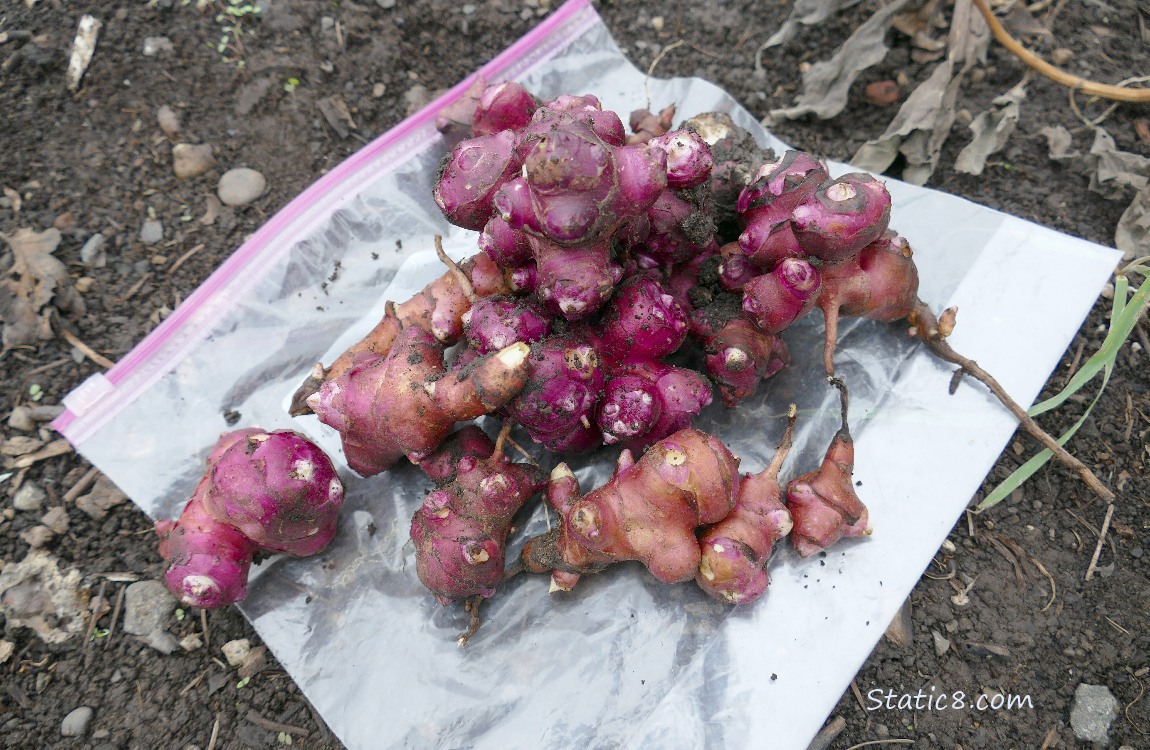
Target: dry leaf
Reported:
point(927, 112)
point(1059, 143)
point(1132, 236)
point(38, 273)
point(991, 130)
point(1116, 173)
point(335, 111)
point(807, 13)
point(212, 212)
point(35, 594)
point(826, 84)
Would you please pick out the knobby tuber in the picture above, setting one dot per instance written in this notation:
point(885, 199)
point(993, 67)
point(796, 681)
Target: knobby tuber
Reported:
point(735, 551)
point(648, 511)
point(262, 492)
point(437, 309)
point(460, 531)
point(406, 403)
point(823, 503)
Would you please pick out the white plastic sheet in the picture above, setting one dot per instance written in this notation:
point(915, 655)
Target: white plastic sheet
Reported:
point(623, 660)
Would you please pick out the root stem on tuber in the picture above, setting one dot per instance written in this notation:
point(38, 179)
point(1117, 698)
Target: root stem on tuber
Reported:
point(933, 333)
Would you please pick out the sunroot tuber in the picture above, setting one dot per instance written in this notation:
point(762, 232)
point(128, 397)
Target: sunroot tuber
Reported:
point(735, 551)
point(648, 511)
point(823, 503)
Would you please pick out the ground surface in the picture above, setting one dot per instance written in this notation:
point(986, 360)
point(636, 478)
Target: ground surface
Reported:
point(96, 161)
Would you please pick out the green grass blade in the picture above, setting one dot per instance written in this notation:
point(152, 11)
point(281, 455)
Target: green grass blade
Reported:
point(1027, 470)
point(1122, 320)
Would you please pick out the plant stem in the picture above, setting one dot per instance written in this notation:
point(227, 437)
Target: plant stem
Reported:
point(925, 325)
point(1105, 91)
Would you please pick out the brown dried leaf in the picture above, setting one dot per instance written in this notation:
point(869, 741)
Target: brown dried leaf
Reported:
point(51, 450)
point(991, 130)
point(38, 275)
point(1059, 143)
point(212, 212)
point(1132, 236)
point(1116, 173)
point(335, 111)
point(20, 445)
point(807, 13)
point(918, 130)
point(827, 83)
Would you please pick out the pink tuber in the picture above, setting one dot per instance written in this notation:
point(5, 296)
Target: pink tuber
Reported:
point(648, 511)
point(880, 283)
point(823, 503)
point(279, 489)
point(735, 551)
point(460, 531)
point(777, 299)
point(842, 217)
point(471, 174)
point(406, 403)
point(648, 401)
point(271, 492)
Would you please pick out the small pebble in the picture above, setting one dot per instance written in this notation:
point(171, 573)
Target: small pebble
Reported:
point(37, 536)
point(76, 723)
point(882, 93)
point(941, 643)
point(92, 253)
point(151, 232)
point(378, 90)
point(191, 642)
point(157, 45)
point(56, 519)
point(240, 186)
point(385, 4)
point(1061, 56)
point(415, 97)
point(657, 23)
point(162, 641)
point(147, 607)
point(192, 160)
point(236, 651)
point(29, 497)
point(468, 9)
point(1094, 710)
point(168, 120)
point(326, 23)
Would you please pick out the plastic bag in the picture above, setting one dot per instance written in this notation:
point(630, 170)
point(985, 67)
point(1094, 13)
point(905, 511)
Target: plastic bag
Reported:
point(623, 660)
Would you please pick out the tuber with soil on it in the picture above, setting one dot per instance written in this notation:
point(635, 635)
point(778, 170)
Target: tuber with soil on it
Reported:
point(262, 492)
point(279, 489)
point(406, 403)
point(438, 309)
point(208, 561)
point(460, 531)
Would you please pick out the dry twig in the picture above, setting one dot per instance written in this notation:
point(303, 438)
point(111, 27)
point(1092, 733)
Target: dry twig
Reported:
point(1101, 541)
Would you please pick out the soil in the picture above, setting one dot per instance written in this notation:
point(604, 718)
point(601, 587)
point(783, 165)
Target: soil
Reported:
point(97, 161)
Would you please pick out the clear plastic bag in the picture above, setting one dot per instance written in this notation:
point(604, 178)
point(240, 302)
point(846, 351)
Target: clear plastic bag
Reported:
point(623, 660)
